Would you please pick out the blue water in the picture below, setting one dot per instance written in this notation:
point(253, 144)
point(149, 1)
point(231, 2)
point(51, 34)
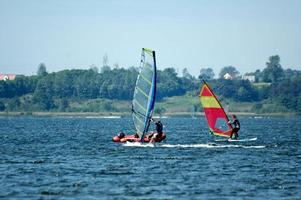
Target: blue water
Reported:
point(68, 158)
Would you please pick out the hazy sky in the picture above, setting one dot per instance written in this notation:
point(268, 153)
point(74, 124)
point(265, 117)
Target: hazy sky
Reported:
point(187, 33)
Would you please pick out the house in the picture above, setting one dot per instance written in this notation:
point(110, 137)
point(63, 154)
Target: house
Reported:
point(249, 77)
point(228, 76)
point(5, 77)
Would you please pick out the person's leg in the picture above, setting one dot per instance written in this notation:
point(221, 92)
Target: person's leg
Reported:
point(231, 135)
point(235, 130)
point(237, 133)
point(155, 137)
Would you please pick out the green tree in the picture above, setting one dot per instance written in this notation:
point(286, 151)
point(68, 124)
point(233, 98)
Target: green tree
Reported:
point(225, 88)
point(42, 70)
point(26, 103)
point(291, 74)
point(105, 69)
point(238, 90)
point(206, 74)
point(186, 74)
point(85, 85)
point(63, 104)
point(230, 70)
point(63, 84)
point(299, 104)
point(7, 89)
point(273, 72)
point(94, 68)
point(118, 83)
point(43, 95)
point(13, 104)
point(116, 66)
point(258, 76)
point(2, 106)
point(187, 80)
point(169, 84)
point(286, 93)
point(105, 60)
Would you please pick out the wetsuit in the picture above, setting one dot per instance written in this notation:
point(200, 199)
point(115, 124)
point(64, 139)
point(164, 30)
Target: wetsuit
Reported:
point(159, 128)
point(121, 135)
point(236, 128)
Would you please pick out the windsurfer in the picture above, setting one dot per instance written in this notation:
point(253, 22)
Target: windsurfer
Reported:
point(236, 127)
point(136, 135)
point(121, 135)
point(159, 131)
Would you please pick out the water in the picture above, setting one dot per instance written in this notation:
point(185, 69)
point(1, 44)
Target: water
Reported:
point(67, 158)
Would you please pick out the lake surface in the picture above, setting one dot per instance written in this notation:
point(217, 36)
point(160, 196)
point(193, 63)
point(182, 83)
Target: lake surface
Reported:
point(68, 158)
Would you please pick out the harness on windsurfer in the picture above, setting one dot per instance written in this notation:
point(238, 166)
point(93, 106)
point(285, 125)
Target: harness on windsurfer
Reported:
point(236, 127)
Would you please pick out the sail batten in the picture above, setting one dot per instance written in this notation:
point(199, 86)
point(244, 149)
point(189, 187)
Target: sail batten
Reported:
point(145, 92)
point(216, 117)
point(148, 81)
point(138, 118)
point(141, 106)
point(142, 92)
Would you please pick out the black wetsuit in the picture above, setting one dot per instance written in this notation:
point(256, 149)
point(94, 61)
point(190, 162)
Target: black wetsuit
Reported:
point(236, 128)
point(159, 128)
point(121, 135)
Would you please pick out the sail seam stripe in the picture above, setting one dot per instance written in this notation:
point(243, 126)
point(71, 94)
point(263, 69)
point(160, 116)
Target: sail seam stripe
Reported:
point(140, 90)
point(149, 66)
point(144, 109)
point(138, 119)
point(144, 78)
point(148, 51)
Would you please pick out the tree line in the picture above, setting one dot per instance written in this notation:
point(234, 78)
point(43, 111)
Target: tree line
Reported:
point(58, 90)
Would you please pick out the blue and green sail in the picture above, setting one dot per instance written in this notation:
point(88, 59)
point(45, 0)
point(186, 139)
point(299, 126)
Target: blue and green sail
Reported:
point(145, 92)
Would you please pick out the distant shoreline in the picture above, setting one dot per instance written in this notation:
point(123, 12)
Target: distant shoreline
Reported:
point(128, 114)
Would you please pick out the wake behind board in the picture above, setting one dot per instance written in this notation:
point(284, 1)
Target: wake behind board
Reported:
point(237, 140)
point(242, 140)
point(138, 144)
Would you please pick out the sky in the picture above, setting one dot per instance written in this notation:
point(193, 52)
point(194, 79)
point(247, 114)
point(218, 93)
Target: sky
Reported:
point(192, 34)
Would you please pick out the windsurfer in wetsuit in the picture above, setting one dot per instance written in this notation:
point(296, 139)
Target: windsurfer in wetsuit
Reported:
point(136, 135)
point(158, 133)
point(236, 127)
point(121, 135)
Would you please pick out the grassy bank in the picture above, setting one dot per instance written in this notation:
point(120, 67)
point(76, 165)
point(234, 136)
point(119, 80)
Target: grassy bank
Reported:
point(128, 114)
point(186, 105)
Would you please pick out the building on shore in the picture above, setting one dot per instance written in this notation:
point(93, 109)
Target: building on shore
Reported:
point(249, 76)
point(5, 77)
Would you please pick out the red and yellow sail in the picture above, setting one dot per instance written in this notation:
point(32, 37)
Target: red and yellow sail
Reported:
point(214, 113)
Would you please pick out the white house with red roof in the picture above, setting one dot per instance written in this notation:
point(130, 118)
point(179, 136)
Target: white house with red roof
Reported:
point(5, 77)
